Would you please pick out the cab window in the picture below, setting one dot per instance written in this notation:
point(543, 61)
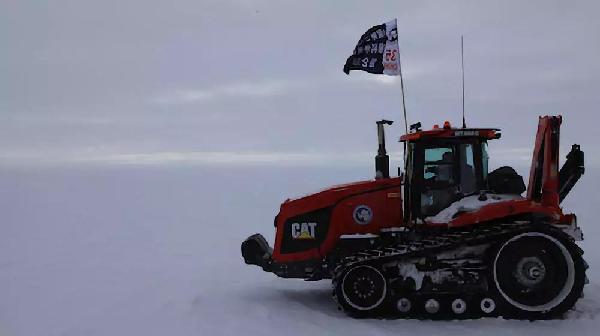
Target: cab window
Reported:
point(439, 179)
point(451, 170)
point(438, 165)
point(468, 181)
point(484, 159)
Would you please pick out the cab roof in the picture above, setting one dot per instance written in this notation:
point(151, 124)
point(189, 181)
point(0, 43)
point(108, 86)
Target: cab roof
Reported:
point(448, 132)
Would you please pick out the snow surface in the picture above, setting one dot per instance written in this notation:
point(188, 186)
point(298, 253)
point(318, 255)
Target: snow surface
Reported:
point(156, 251)
point(469, 204)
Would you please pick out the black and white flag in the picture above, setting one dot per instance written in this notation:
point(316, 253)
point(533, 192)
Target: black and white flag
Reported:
point(377, 51)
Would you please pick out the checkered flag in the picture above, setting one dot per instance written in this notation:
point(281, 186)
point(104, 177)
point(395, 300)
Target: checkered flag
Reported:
point(377, 51)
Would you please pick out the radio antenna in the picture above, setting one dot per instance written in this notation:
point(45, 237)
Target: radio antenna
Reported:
point(462, 63)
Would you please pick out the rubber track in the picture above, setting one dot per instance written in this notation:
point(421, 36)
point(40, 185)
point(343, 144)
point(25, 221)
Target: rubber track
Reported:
point(431, 245)
point(434, 244)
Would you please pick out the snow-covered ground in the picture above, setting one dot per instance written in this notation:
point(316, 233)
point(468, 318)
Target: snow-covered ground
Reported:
point(155, 251)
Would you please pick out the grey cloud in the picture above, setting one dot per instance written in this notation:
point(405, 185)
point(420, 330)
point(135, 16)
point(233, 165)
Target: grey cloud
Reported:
point(114, 79)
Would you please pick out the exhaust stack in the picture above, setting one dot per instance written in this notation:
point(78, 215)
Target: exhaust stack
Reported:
point(382, 160)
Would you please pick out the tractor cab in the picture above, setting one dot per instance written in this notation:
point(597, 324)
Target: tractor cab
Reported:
point(443, 165)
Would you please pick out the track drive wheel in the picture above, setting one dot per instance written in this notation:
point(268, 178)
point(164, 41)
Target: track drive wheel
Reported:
point(362, 290)
point(538, 274)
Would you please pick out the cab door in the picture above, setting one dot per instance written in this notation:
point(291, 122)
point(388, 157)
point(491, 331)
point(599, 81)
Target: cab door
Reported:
point(440, 179)
point(443, 172)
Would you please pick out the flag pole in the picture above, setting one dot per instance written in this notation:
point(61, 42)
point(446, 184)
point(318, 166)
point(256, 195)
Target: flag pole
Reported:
point(402, 88)
point(403, 104)
point(401, 80)
point(405, 156)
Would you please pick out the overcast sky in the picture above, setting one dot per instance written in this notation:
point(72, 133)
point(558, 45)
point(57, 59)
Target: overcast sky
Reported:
point(253, 82)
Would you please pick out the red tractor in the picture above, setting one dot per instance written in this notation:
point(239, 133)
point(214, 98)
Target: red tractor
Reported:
point(446, 238)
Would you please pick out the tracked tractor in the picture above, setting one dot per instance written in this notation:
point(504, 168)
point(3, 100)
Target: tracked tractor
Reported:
point(446, 237)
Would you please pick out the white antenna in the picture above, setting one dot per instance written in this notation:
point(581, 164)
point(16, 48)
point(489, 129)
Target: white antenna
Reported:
point(462, 63)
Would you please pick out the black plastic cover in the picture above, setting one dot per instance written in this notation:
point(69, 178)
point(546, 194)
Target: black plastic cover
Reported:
point(505, 180)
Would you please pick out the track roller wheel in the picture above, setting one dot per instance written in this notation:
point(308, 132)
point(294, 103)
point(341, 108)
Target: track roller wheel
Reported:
point(362, 290)
point(432, 306)
point(538, 274)
point(459, 306)
point(487, 305)
point(404, 305)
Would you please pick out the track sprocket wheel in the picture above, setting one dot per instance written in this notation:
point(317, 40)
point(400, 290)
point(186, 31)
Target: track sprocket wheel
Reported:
point(538, 274)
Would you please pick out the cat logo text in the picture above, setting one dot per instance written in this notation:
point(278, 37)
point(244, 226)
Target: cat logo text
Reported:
point(303, 230)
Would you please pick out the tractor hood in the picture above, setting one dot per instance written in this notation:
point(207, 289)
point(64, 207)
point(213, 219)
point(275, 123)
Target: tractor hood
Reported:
point(309, 226)
point(330, 196)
